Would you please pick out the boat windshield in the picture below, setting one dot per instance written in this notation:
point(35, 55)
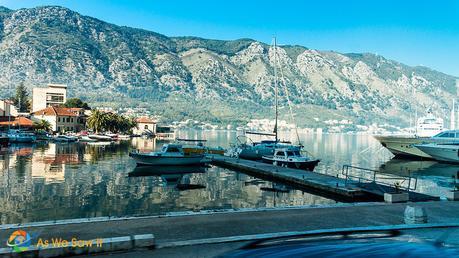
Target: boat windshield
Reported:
point(445, 135)
point(173, 149)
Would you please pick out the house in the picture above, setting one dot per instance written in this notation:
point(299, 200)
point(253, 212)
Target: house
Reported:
point(7, 110)
point(145, 125)
point(62, 119)
point(52, 95)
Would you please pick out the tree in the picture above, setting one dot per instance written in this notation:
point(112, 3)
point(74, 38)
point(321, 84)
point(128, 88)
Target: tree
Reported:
point(100, 121)
point(21, 99)
point(76, 103)
point(97, 121)
point(42, 125)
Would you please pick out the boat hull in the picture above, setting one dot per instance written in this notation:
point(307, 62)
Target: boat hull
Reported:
point(147, 160)
point(309, 165)
point(404, 146)
point(448, 153)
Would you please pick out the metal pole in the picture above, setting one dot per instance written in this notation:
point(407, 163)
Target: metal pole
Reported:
point(275, 89)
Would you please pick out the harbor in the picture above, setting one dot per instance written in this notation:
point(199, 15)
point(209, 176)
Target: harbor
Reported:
point(95, 180)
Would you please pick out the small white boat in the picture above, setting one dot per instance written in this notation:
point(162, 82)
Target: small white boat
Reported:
point(441, 152)
point(170, 155)
point(292, 158)
point(21, 136)
point(100, 137)
point(65, 138)
point(87, 139)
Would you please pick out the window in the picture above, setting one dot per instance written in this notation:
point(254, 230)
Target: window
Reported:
point(146, 127)
point(290, 153)
point(280, 153)
point(58, 119)
point(68, 119)
point(173, 149)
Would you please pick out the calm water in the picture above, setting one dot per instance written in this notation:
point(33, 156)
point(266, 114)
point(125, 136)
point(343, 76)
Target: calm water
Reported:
point(60, 181)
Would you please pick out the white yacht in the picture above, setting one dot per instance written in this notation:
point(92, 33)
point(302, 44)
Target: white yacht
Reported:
point(442, 152)
point(406, 146)
point(429, 125)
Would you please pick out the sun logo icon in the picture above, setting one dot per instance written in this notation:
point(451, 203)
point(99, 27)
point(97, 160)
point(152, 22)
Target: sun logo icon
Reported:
point(19, 241)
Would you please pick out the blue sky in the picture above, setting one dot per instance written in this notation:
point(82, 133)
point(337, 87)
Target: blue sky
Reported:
point(413, 32)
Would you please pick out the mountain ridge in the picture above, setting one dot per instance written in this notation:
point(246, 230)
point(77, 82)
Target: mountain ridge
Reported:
point(138, 67)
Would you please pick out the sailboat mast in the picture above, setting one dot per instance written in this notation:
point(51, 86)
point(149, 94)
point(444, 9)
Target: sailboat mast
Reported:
point(275, 88)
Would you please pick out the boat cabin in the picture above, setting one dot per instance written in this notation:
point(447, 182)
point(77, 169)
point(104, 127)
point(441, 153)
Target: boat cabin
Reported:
point(172, 149)
point(453, 134)
point(287, 153)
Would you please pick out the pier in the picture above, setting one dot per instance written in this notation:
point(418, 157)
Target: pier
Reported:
point(346, 188)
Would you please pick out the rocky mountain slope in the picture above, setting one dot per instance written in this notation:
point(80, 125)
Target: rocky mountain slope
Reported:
point(212, 80)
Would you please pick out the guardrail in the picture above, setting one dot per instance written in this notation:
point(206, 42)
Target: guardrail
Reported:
point(366, 175)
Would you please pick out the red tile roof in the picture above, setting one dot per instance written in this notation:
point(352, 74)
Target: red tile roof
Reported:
point(18, 121)
point(57, 111)
point(145, 120)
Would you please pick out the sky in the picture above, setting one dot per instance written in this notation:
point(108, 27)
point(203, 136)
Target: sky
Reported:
point(412, 32)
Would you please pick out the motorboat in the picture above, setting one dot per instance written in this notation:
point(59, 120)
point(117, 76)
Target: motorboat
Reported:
point(19, 136)
point(292, 158)
point(65, 138)
point(100, 137)
point(86, 138)
point(406, 146)
point(442, 152)
point(170, 155)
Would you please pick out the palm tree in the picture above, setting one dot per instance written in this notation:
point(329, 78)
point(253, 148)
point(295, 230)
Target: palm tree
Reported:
point(42, 125)
point(97, 121)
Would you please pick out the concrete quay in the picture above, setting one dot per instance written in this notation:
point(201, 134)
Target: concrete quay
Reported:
point(198, 226)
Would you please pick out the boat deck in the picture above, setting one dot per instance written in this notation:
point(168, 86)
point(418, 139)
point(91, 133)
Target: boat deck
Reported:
point(328, 186)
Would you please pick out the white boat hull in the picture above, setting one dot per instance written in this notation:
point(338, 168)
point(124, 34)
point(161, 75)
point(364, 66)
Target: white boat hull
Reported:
point(449, 153)
point(148, 160)
point(404, 146)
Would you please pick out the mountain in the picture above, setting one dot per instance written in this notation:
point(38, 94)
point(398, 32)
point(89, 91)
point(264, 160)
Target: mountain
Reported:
point(214, 80)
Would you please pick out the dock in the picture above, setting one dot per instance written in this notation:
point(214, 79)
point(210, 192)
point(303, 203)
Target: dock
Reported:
point(342, 189)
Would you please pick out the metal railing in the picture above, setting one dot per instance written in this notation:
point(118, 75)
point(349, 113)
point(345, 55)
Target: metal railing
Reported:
point(366, 175)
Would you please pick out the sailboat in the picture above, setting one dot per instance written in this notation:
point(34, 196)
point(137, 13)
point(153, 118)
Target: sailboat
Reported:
point(256, 150)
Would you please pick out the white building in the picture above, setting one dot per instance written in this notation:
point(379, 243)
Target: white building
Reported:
point(53, 95)
point(7, 109)
point(145, 125)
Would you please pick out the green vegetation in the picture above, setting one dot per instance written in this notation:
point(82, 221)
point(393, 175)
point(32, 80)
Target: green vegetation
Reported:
point(109, 122)
point(76, 103)
point(21, 99)
point(42, 125)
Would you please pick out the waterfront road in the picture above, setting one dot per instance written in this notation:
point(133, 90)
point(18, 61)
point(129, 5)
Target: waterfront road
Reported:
point(175, 228)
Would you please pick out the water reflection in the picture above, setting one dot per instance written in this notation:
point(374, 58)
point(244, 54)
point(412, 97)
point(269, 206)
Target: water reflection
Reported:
point(49, 181)
point(433, 177)
point(58, 181)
